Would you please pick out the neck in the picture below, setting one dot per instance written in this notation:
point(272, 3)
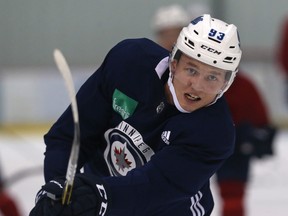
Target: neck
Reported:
point(168, 94)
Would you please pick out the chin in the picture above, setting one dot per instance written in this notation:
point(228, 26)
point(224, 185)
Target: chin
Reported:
point(191, 108)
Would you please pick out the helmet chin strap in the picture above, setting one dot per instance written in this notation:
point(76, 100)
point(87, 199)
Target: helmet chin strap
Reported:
point(175, 100)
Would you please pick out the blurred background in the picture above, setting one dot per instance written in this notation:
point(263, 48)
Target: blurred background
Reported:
point(86, 30)
point(33, 95)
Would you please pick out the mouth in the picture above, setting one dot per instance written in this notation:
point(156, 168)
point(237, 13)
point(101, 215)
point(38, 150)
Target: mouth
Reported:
point(192, 97)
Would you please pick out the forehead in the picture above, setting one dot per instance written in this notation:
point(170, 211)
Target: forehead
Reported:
point(189, 61)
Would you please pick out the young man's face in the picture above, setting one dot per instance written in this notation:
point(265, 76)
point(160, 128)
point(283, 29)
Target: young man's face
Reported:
point(196, 84)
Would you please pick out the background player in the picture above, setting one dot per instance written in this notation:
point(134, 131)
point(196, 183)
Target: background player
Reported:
point(254, 138)
point(167, 23)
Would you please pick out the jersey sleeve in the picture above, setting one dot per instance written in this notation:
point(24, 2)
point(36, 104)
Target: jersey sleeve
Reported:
point(94, 109)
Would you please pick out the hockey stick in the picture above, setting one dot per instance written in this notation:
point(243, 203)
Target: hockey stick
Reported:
point(73, 159)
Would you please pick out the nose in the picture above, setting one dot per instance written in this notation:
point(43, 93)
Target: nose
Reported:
point(197, 83)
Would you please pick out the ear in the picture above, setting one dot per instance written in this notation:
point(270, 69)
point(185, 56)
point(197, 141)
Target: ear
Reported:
point(173, 66)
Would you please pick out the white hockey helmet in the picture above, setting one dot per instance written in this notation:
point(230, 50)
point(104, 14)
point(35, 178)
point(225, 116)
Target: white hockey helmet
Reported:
point(170, 16)
point(213, 42)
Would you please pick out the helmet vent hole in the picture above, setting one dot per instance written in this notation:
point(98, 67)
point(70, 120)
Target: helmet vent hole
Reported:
point(189, 43)
point(196, 32)
point(215, 62)
point(232, 47)
point(229, 59)
point(199, 55)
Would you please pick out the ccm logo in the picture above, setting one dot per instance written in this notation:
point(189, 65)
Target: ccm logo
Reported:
point(209, 49)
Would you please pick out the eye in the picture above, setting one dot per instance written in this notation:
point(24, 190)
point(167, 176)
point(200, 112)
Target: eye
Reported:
point(212, 77)
point(191, 71)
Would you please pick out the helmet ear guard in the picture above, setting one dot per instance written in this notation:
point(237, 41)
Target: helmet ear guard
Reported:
point(213, 42)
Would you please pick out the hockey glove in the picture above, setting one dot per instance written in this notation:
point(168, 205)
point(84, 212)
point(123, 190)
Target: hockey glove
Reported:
point(255, 141)
point(263, 139)
point(89, 197)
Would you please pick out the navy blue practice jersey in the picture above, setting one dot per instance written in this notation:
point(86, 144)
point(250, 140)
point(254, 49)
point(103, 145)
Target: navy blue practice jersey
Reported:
point(154, 159)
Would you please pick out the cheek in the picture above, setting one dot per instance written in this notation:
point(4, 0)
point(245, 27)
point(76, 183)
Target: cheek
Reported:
point(216, 88)
point(180, 79)
point(220, 86)
point(213, 89)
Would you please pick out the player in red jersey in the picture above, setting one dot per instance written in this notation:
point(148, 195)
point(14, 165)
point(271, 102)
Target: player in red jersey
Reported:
point(254, 137)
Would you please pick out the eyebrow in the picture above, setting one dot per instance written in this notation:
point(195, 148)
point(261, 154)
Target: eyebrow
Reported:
point(217, 73)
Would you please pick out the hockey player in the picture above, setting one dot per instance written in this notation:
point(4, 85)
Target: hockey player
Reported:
point(154, 128)
point(254, 138)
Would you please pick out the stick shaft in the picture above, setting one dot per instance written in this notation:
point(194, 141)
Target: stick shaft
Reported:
point(74, 155)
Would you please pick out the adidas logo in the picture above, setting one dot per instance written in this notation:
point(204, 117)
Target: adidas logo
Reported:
point(165, 136)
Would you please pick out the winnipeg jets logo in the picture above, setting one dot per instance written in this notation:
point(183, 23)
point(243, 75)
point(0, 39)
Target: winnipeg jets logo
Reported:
point(125, 149)
point(121, 159)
